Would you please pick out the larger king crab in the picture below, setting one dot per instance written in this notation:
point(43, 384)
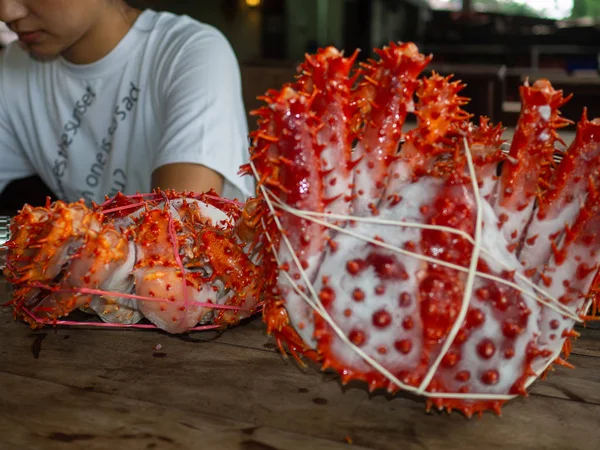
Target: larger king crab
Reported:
point(428, 261)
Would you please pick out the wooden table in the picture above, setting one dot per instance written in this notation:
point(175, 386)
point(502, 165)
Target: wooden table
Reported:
point(105, 389)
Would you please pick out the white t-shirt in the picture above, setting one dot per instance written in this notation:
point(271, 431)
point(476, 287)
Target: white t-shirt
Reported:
point(170, 92)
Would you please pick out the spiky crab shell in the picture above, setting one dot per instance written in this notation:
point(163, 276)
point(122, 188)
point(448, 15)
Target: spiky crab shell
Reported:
point(395, 297)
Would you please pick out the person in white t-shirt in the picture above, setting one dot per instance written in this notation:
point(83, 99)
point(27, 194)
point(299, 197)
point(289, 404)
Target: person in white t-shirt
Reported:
point(98, 97)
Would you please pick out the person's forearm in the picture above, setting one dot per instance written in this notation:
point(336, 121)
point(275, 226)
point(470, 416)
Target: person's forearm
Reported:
point(187, 177)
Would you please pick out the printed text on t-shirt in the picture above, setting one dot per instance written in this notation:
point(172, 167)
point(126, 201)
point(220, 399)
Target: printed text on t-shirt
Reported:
point(96, 172)
point(69, 131)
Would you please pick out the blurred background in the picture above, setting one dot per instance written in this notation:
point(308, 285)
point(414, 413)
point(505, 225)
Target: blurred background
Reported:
point(492, 45)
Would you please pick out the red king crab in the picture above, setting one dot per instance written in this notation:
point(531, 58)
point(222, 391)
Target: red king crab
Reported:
point(181, 261)
point(429, 261)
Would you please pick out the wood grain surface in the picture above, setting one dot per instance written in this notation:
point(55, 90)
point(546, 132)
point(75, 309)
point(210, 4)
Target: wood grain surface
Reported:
point(73, 388)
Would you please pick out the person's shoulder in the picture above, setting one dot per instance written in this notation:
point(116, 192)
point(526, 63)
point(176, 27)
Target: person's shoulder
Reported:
point(182, 33)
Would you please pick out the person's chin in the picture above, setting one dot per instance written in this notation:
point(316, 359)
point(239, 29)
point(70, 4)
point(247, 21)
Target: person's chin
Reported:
point(40, 52)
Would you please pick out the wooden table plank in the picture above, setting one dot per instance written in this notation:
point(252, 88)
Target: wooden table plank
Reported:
point(588, 343)
point(221, 384)
point(105, 420)
point(251, 336)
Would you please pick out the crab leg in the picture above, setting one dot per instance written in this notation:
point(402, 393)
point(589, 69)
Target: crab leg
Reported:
point(439, 113)
point(235, 271)
point(44, 236)
point(485, 142)
point(326, 76)
point(568, 188)
point(104, 262)
point(571, 271)
point(43, 239)
point(383, 99)
point(286, 149)
point(530, 156)
point(158, 273)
